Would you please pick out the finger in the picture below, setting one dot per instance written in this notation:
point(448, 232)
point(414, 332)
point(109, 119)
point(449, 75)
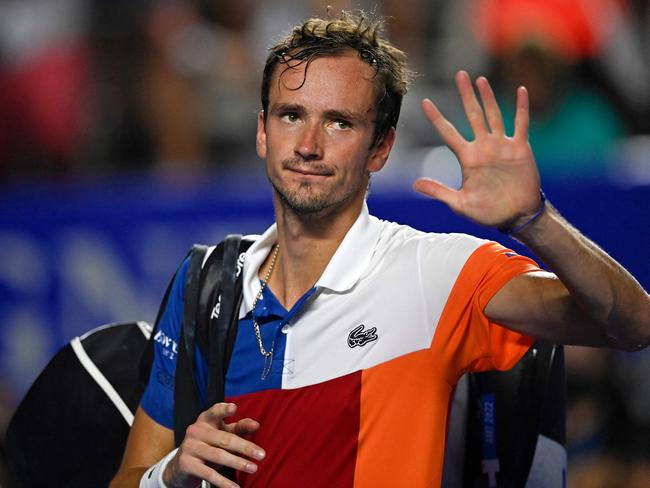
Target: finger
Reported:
point(189, 467)
point(492, 110)
point(243, 428)
point(223, 440)
point(217, 412)
point(437, 191)
point(220, 481)
point(220, 457)
point(211, 475)
point(522, 115)
point(473, 110)
point(447, 131)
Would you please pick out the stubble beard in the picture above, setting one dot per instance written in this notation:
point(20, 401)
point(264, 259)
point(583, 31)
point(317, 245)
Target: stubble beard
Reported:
point(309, 202)
point(304, 201)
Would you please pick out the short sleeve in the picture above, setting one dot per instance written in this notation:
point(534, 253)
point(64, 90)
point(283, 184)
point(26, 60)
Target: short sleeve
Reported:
point(468, 339)
point(158, 398)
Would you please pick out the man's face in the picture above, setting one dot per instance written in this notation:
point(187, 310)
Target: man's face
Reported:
point(318, 134)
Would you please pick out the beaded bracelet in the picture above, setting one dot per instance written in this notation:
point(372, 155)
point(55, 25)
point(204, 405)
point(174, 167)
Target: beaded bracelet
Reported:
point(542, 206)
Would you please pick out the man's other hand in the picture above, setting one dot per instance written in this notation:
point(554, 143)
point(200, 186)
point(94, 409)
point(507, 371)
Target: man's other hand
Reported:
point(211, 443)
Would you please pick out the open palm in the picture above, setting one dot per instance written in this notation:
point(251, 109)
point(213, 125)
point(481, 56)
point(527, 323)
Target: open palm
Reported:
point(500, 181)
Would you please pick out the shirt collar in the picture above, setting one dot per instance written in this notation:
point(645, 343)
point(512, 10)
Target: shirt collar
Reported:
point(353, 254)
point(342, 272)
point(255, 256)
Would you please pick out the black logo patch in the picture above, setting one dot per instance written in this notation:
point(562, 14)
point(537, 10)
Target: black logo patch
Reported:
point(360, 337)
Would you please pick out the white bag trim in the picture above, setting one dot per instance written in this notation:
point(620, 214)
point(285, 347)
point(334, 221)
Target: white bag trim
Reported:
point(101, 380)
point(144, 327)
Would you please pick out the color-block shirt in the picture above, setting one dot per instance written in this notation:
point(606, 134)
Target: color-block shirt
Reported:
point(365, 363)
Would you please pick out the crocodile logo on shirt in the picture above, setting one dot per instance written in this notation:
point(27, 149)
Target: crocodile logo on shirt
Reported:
point(360, 337)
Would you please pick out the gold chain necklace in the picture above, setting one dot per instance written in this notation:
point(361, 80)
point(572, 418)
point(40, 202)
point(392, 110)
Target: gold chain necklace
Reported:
point(268, 355)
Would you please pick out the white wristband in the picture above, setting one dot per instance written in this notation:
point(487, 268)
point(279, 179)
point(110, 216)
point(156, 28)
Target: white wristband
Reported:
point(153, 477)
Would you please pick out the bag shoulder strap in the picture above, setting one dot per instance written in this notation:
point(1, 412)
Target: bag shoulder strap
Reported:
point(191, 304)
point(212, 299)
point(221, 325)
point(186, 393)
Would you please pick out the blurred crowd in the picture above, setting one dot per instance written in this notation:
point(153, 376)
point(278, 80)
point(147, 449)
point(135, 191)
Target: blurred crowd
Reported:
point(91, 87)
point(88, 86)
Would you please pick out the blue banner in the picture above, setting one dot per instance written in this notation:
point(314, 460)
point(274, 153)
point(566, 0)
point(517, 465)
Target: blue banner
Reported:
point(76, 255)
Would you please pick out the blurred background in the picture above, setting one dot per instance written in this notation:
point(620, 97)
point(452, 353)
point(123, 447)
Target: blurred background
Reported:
point(127, 134)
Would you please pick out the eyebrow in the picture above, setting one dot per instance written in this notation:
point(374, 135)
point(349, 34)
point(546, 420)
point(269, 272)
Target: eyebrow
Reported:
point(280, 108)
point(345, 115)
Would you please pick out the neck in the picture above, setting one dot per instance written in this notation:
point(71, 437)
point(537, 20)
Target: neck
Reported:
point(307, 244)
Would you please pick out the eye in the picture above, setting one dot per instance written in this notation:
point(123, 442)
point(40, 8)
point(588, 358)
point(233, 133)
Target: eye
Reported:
point(289, 117)
point(342, 124)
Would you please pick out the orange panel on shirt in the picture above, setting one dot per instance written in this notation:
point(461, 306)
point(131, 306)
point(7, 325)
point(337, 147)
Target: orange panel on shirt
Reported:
point(400, 423)
point(405, 401)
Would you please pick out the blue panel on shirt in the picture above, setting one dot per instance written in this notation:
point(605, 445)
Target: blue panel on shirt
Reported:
point(247, 363)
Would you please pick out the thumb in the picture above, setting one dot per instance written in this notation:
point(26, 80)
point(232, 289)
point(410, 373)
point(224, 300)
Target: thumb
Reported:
point(437, 191)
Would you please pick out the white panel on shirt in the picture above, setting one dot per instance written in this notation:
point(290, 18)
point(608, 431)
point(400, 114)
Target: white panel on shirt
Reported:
point(402, 292)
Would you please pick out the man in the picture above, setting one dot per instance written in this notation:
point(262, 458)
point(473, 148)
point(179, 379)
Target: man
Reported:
point(353, 331)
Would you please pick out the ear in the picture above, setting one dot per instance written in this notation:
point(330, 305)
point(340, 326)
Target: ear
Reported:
point(260, 138)
point(380, 152)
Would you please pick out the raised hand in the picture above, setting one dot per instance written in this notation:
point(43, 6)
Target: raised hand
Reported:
point(500, 185)
point(211, 443)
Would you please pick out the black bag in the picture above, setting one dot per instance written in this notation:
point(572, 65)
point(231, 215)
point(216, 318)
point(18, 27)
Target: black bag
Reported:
point(507, 428)
point(71, 427)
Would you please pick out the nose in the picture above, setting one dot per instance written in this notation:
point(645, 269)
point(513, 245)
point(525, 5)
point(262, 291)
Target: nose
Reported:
point(308, 145)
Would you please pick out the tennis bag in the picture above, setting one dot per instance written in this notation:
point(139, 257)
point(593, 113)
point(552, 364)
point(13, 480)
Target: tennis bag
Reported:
point(71, 427)
point(508, 428)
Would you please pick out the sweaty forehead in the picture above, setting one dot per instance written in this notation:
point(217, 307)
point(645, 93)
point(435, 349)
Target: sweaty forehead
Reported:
point(343, 81)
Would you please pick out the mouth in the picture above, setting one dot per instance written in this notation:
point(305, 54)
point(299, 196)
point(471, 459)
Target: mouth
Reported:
point(310, 171)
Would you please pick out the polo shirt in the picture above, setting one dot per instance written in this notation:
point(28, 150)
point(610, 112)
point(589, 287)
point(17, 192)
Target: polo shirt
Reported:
point(365, 363)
